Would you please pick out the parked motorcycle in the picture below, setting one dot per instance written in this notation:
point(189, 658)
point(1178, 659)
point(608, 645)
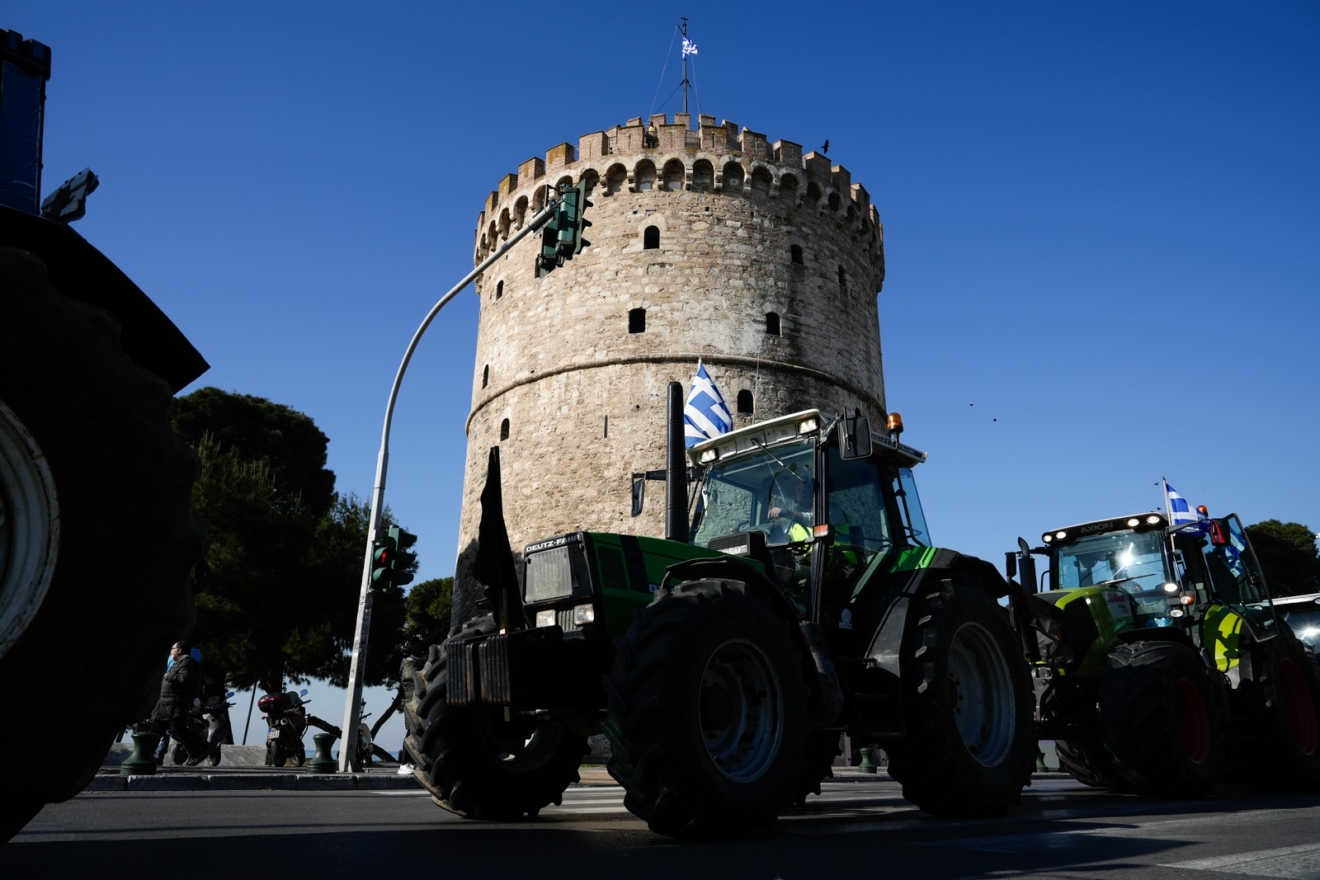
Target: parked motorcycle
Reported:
point(364, 741)
point(211, 722)
point(287, 720)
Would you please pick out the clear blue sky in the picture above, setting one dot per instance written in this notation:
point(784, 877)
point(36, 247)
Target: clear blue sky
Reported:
point(1101, 219)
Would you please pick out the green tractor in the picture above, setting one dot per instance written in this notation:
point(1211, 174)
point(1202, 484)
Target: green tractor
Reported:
point(1159, 663)
point(803, 601)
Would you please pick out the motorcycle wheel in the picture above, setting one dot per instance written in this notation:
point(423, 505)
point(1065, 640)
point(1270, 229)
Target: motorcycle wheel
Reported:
point(215, 755)
point(179, 755)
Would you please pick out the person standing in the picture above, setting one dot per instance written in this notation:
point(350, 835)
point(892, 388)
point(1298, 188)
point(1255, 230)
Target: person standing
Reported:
point(414, 659)
point(181, 685)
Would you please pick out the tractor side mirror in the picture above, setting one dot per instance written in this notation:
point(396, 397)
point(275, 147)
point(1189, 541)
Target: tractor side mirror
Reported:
point(1219, 532)
point(638, 493)
point(854, 438)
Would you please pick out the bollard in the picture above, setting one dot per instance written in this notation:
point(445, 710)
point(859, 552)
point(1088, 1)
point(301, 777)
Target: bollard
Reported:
point(868, 761)
point(143, 760)
point(321, 762)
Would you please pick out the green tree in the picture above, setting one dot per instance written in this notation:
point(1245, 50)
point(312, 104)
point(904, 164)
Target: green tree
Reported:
point(427, 608)
point(284, 566)
point(1288, 555)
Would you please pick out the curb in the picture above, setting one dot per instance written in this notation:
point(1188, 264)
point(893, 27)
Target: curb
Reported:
point(255, 782)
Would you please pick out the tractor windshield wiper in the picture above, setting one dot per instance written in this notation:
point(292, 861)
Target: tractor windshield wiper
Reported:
point(779, 462)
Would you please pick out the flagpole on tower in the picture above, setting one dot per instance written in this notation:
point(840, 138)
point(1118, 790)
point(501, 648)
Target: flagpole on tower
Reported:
point(689, 48)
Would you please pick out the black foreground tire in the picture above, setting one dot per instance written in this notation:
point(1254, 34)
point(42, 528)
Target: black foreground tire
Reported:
point(1161, 720)
point(1277, 746)
point(706, 712)
point(85, 436)
point(476, 764)
point(971, 743)
point(1087, 761)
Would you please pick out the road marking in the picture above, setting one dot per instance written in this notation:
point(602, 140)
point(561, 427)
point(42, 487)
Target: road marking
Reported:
point(1300, 862)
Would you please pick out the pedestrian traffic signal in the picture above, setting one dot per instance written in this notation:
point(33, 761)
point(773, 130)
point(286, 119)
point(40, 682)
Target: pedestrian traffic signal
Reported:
point(404, 561)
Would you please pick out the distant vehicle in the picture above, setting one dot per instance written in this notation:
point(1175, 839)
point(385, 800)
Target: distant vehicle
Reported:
point(1302, 614)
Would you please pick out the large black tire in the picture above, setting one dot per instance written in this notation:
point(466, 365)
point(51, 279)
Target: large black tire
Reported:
point(1087, 761)
point(1161, 719)
point(970, 745)
point(707, 712)
point(476, 764)
point(1277, 741)
point(101, 558)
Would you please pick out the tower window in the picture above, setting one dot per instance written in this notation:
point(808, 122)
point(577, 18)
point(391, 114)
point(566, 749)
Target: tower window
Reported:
point(485, 375)
point(772, 323)
point(651, 238)
point(745, 403)
point(796, 252)
point(504, 430)
point(637, 320)
point(843, 281)
point(499, 289)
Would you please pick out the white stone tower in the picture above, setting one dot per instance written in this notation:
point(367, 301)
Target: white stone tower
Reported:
point(705, 243)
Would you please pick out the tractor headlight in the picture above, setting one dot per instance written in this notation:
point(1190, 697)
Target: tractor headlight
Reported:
point(545, 618)
point(583, 614)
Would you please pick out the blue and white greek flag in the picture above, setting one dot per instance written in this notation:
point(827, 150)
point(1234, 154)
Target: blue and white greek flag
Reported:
point(1180, 512)
point(705, 415)
point(689, 47)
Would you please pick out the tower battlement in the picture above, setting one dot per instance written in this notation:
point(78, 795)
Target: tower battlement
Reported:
point(667, 154)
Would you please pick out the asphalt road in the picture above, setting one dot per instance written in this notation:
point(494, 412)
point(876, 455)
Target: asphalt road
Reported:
point(859, 828)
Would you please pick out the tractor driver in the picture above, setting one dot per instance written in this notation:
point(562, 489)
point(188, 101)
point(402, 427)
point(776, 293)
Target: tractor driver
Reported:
point(794, 509)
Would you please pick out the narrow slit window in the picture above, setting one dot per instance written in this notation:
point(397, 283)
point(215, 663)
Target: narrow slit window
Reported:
point(499, 289)
point(637, 321)
point(504, 430)
point(796, 253)
point(485, 375)
point(651, 238)
point(745, 403)
point(843, 280)
point(772, 323)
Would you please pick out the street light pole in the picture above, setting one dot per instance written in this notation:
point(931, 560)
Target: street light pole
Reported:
point(353, 709)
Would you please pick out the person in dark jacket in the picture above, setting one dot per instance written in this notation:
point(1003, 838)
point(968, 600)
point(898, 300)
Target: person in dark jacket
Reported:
point(181, 685)
point(414, 659)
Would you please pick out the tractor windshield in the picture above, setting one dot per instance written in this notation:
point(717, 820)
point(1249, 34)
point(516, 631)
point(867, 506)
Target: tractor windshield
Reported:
point(771, 490)
point(1132, 561)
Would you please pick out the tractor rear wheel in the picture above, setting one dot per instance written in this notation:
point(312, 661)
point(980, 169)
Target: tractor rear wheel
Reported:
point(1161, 719)
point(476, 764)
point(707, 712)
point(970, 745)
point(1278, 742)
point(97, 533)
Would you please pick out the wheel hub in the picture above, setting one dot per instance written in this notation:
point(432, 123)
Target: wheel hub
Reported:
point(741, 711)
point(29, 528)
point(984, 699)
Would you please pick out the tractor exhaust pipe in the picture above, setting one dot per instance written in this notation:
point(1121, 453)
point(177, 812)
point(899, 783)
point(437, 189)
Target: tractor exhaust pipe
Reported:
point(676, 521)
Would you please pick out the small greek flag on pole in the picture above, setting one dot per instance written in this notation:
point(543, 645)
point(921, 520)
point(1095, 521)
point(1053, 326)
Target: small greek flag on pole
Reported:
point(689, 47)
point(705, 415)
point(1180, 511)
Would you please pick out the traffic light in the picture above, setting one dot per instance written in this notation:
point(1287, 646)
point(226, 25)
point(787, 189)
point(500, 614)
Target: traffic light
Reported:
point(573, 221)
point(382, 562)
point(561, 237)
point(549, 257)
point(404, 560)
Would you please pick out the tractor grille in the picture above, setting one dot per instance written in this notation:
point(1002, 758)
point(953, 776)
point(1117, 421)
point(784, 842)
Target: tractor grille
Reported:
point(550, 574)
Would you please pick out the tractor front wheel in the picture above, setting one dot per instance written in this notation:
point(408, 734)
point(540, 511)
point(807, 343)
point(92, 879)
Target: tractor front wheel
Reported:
point(476, 764)
point(970, 745)
point(707, 712)
point(1161, 719)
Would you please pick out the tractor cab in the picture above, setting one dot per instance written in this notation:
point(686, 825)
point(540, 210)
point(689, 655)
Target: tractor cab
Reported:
point(1140, 572)
point(817, 500)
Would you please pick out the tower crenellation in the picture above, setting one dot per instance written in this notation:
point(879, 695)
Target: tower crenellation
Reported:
point(711, 243)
